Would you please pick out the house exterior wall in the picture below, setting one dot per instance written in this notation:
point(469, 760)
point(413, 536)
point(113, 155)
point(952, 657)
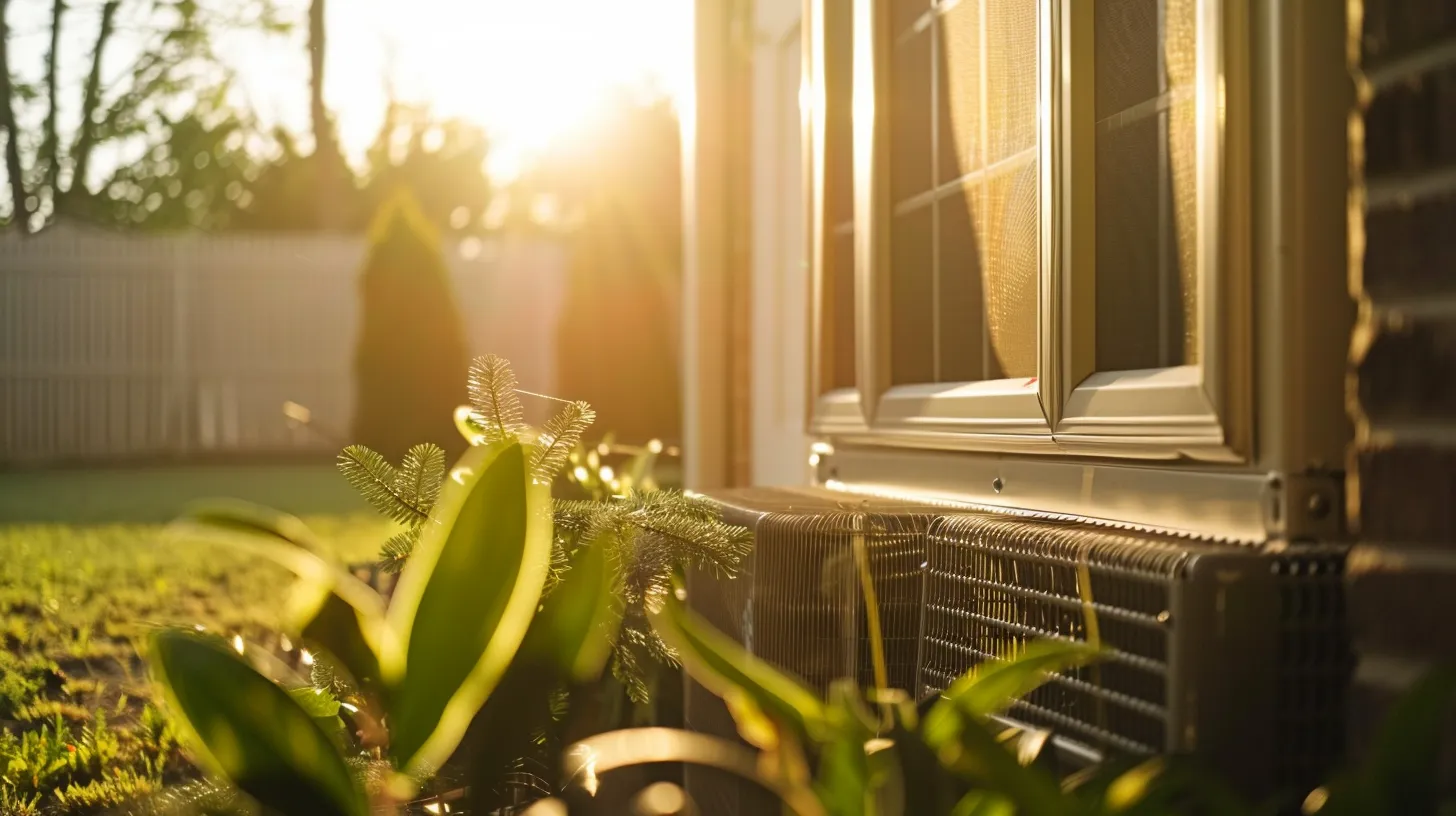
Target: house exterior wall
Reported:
point(1402, 378)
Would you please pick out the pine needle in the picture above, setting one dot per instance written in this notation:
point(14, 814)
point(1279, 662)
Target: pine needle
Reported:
point(559, 436)
point(397, 549)
point(376, 480)
point(421, 475)
point(493, 396)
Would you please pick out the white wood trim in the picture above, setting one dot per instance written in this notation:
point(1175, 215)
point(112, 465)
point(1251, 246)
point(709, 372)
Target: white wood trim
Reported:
point(706, 336)
point(1230, 504)
point(992, 406)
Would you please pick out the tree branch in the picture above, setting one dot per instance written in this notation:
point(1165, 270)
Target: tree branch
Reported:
point(91, 100)
point(20, 210)
point(50, 156)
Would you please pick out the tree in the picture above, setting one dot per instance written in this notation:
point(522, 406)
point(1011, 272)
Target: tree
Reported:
point(411, 361)
point(329, 166)
point(20, 200)
point(174, 77)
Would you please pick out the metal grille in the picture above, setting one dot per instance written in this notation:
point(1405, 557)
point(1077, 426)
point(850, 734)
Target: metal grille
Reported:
point(995, 583)
point(1235, 653)
point(799, 603)
point(1314, 663)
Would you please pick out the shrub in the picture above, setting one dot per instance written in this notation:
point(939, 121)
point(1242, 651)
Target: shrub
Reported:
point(411, 359)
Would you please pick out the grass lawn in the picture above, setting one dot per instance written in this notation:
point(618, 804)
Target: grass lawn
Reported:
point(79, 730)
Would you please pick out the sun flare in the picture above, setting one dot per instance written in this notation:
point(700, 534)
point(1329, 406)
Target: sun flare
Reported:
point(530, 72)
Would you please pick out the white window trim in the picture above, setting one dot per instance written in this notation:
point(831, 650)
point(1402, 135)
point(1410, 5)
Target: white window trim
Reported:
point(1201, 412)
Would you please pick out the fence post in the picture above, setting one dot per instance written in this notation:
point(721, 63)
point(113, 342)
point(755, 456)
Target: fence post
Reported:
point(180, 386)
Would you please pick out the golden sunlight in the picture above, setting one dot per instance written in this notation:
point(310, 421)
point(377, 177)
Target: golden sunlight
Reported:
point(529, 72)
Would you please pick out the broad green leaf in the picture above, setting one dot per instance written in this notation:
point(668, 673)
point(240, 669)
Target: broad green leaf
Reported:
point(324, 708)
point(329, 606)
point(723, 666)
point(993, 686)
point(977, 755)
point(569, 641)
point(843, 778)
point(982, 803)
point(250, 731)
point(279, 537)
point(1401, 775)
point(627, 747)
point(928, 788)
point(352, 637)
point(465, 600)
point(574, 630)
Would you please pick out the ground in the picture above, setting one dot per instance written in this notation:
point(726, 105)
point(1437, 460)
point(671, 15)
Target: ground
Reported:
point(77, 598)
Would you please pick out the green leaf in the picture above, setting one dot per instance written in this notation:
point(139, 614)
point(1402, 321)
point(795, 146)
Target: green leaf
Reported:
point(995, 685)
point(465, 600)
point(979, 756)
point(317, 702)
point(725, 667)
point(279, 537)
point(349, 635)
point(569, 641)
point(380, 484)
point(251, 731)
point(1401, 774)
point(981, 803)
point(573, 631)
point(629, 747)
point(493, 395)
point(247, 518)
point(559, 436)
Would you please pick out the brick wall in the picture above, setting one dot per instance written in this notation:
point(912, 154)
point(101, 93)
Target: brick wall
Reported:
point(1402, 573)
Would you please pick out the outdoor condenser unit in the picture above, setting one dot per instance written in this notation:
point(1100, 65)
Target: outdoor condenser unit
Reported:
point(1234, 653)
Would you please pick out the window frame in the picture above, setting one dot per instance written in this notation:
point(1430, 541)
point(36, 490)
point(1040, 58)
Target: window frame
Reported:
point(1200, 412)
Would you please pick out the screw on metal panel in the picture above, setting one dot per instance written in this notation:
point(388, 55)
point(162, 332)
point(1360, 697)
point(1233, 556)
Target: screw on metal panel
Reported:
point(997, 485)
point(1319, 506)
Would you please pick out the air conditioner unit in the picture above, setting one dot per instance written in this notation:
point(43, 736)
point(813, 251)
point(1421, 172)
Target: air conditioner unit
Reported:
point(1234, 653)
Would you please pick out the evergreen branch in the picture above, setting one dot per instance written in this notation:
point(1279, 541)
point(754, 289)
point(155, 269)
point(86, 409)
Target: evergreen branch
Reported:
point(421, 475)
point(559, 436)
point(375, 479)
point(397, 549)
point(493, 396)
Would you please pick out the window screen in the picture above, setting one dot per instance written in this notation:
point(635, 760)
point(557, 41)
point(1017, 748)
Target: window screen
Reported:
point(1145, 65)
point(963, 167)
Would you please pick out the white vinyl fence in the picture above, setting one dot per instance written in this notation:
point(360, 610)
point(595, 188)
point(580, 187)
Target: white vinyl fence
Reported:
point(116, 346)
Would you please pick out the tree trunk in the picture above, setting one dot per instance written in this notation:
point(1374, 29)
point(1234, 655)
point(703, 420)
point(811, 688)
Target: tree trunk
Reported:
point(20, 210)
point(90, 103)
point(50, 149)
point(327, 159)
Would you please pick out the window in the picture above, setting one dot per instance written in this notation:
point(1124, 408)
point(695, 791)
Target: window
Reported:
point(1029, 226)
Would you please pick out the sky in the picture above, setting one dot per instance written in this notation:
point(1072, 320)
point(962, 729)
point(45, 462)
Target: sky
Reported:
point(526, 70)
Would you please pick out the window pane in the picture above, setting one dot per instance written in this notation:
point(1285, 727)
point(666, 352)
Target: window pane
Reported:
point(962, 324)
point(959, 81)
point(1013, 260)
point(905, 13)
point(1146, 193)
point(840, 283)
point(912, 299)
point(839, 328)
point(911, 121)
point(1010, 77)
point(965, 249)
